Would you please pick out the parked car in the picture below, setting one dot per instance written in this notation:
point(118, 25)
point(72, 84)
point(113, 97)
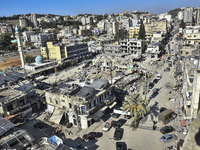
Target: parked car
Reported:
point(92, 135)
point(166, 129)
point(169, 65)
point(119, 123)
point(114, 115)
point(155, 90)
point(159, 76)
point(120, 146)
point(118, 133)
point(155, 81)
point(168, 137)
point(167, 69)
point(151, 85)
point(108, 125)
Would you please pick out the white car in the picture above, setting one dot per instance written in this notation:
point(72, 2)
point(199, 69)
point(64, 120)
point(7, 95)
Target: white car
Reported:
point(159, 76)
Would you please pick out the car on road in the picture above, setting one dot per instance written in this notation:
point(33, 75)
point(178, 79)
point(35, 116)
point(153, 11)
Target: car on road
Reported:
point(114, 115)
point(118, 133)
point(121, 146)
point(108, 125)
point(167, 69)
point(168, 137)
point(159, 76)
point(155, 81)
point(166, 129)
point(151, 85)
point(155, 90)
point(119, 123)
point(92, 135)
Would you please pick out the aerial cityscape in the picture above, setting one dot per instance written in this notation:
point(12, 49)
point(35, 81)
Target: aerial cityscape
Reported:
point(100, 75)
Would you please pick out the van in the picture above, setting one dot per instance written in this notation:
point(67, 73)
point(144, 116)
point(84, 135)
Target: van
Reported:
point(108, 125)
point(166, 116)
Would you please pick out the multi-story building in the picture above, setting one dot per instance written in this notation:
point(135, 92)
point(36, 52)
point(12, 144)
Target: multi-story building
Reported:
point(187, 51)
point(111, 27)
point(188, 15)
point(192, 35)
point(83, 20)
point(80, 105)
point(112, 48)
point(34, 20)
point(133, 47)
point(153, 50)
point(23, 21)
point(125, 23)
point(61, 51)
point(180, 15)
point(134, 32)
point(156, 26)
point(40, 39)
point(5, 29)
point(198, 16)
point(102, 25)
point(191, 89)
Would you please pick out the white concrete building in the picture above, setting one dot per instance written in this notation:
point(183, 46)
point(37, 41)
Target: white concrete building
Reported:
point(180, 15)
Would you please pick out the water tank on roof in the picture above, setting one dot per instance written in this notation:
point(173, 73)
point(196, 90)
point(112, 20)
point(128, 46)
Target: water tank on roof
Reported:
point(39, 59)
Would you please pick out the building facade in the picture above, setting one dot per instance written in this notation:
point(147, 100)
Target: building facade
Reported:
point(80, 105)
point(61, 51)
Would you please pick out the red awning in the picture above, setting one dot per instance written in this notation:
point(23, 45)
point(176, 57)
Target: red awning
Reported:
point(183, 123)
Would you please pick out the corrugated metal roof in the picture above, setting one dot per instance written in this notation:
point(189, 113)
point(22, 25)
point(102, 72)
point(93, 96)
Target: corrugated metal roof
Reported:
point(5, 125)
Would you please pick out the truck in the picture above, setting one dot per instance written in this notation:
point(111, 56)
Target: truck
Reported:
point(166, 116)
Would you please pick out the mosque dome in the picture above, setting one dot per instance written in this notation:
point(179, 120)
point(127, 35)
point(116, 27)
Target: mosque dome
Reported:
point(39, 59)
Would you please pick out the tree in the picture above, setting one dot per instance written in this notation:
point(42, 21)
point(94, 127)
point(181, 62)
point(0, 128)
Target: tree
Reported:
point(137, 107)
point(29, 59)
point(5, 42)
point(121, 34)
point(142, 31)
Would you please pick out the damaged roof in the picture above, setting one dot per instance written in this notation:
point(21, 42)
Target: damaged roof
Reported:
point(99, 83)
point(85, 91)
point(5, 125)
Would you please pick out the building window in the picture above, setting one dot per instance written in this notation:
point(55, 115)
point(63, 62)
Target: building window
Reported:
point(90, 106)
point(95, 103)
point(83, 109)
point(50, 100)
point(63, 101)
point(10, 107)
point(70, 105)
point(56, 102)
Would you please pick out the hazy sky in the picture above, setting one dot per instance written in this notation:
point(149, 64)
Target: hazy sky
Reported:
point(75, 7)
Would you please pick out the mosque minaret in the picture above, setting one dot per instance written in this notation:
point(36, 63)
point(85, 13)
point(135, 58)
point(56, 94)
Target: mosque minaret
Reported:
point(20, 49)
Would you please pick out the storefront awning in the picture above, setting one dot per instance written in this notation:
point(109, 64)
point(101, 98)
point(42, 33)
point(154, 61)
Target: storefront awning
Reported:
point(113, 104)
point(96, 116)
point(103, 108)
point(56, 116)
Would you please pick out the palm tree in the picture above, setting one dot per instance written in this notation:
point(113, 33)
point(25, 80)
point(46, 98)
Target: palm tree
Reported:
point(137, 106)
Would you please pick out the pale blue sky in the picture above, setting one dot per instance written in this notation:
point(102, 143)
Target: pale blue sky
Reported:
point(75, 7)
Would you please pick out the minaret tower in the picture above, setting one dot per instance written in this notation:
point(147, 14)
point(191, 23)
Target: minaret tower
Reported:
point(20, 49)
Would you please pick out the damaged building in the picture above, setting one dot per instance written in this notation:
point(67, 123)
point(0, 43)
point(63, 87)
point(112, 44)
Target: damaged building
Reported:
point(78, 105)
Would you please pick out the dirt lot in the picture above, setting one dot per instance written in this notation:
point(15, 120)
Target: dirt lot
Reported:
point(9, 62)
